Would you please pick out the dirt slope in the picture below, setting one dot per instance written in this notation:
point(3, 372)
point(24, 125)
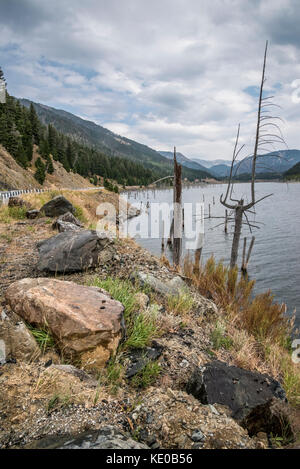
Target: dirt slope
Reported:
point(13, 176)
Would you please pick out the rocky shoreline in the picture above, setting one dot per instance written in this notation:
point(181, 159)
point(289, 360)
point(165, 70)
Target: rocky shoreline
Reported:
point(136, 373)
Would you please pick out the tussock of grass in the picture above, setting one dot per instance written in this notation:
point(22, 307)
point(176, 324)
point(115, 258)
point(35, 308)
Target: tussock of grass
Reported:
point(143, 329)
point(180, 304)
point(219, 337)
point(120, 290)
point(43, 338)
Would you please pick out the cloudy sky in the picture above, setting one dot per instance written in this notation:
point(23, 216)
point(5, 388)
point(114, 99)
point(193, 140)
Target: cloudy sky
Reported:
point(162, 72)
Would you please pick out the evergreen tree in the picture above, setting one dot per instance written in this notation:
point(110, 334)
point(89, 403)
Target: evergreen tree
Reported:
point(35, 125)
point(40, 173)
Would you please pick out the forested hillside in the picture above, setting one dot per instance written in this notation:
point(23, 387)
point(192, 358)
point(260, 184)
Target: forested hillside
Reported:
point(293, 174)
point(20, 129)
point(103, 140)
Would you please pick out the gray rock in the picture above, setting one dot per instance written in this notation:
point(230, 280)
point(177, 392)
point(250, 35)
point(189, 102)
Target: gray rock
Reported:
point(198, 436)
point(164, 288)
point(106, 438)
point(63, 226)
point(69, 218)
point(243, 392)
point(74, 252)
point(57, 206)
point(16, 341)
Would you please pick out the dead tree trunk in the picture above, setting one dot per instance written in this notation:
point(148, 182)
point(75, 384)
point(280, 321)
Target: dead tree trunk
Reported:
point(177, 212)
point(237, 234)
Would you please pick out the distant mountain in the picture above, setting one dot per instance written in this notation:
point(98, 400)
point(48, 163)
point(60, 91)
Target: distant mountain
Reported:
point(93, 135)
point(220, 170)
point(274, 162)
point(209, 164)
point(270, 164)
point(183, 160)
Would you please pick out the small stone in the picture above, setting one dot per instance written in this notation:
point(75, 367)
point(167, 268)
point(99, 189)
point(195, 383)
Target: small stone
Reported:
point(198, 436)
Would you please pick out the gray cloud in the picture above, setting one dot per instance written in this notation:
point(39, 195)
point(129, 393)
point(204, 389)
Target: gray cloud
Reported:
point(164, 72)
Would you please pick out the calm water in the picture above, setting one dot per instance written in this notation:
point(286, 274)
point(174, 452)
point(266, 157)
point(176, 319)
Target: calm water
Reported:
point(275, 259)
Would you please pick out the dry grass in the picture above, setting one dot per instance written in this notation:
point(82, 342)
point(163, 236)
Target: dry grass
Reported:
point(85, 202)
point(257, 328)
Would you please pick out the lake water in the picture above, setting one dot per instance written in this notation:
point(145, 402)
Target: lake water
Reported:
point(275, 259)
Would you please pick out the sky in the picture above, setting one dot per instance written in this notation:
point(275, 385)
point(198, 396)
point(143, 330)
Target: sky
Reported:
point(161, 72)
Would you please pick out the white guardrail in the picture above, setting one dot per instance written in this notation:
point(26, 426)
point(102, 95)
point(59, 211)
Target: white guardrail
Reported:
point(5, 195)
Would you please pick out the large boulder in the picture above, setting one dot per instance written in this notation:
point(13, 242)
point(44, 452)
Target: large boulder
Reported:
point(244, 392)
point(16, 341)
point(57, 206)
point(86, 323)
point(74, 251)
point(108, 437)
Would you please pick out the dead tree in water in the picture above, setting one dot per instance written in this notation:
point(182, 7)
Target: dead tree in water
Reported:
point(263, 137)
point(177, 243)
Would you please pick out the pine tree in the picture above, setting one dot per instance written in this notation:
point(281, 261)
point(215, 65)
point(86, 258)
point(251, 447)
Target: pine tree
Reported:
point(40, 173)
point(35, 125)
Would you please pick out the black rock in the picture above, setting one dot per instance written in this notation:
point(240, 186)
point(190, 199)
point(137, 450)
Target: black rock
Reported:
point(74, 252)
point(31, 214)
point(140, 357)
point(57, 206)
point(241, 390)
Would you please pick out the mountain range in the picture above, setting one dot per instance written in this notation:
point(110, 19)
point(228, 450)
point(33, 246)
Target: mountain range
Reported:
point(111, 144)
point(94, 135)
point(272, 164)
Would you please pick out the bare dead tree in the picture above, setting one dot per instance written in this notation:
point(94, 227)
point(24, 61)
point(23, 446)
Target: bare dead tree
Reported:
point(264, 136)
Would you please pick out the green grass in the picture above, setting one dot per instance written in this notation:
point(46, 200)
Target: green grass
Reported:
point(143, 330)
point(79, 214)
point(180, 304)
point(147, 376)
point(43, 338)
point(219, 338)
point(8, 214)
point(140, 326)
point(120, 290)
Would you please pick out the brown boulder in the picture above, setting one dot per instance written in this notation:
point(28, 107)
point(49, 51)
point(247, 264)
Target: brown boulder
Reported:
point(86, 322)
